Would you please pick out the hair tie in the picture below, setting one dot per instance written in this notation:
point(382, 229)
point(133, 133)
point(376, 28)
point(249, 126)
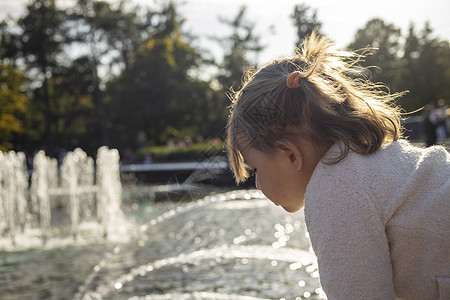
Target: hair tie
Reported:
point(293, 79)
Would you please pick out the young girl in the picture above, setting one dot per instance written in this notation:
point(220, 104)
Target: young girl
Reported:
point(317, 134)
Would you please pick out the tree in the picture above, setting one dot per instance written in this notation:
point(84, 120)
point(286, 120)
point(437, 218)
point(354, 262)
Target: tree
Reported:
point(42, 39)
point(157, 94)
point(235, 62)
point(77, 121)
point(118, 28)
point(12, 105)
point(424, 69)
point(9, 44)
point(237, 46)
point(305, 21)
point(108, 32)
point(383, 40)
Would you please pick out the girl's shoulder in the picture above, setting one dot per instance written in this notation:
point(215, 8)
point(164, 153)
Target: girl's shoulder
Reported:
point(388, 166)
point(375, 184)
point(414, 153)
point(400, 151)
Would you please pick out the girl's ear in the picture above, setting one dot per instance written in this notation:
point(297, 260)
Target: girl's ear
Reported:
point(291, 152)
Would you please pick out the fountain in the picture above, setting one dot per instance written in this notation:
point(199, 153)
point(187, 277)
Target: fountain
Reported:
point(226, 245)
point(233, 245)
point(51, 195)
point(44, 177)
point(13, 189)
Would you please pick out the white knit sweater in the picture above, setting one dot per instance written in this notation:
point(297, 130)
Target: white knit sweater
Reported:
point(380, 223)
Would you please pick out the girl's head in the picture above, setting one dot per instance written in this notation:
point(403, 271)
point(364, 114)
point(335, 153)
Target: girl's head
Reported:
point(317, 96)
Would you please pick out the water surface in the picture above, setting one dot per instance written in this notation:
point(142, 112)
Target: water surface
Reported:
point(229, 245)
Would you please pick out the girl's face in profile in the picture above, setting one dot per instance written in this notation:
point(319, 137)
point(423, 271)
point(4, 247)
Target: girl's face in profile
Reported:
point(276, 178)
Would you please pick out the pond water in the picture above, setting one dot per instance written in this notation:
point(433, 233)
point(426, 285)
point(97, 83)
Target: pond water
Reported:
point(225, 245)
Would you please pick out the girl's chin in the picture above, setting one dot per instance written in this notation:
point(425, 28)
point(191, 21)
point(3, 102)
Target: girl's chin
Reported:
point(291, 209)
point(288, 209)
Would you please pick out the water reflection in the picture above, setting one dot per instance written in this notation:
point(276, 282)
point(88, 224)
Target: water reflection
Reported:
point(234, 245)
point(228, 246)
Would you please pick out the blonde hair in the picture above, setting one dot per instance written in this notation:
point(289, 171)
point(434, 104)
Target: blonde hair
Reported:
point(332, 102)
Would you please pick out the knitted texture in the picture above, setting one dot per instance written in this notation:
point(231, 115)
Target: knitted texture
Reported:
point(380, 223)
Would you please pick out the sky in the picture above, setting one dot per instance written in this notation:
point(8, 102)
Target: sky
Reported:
point(340, 19)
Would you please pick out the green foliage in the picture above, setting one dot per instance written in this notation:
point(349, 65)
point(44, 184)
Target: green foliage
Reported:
point(156, 93)
point(383, 40)
point(12, 105)
point(9, 44)
point(42, 40)
point(420, 64)
point(107, 31)
point(43, 34)
point(99, 72)
point(424, 69)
